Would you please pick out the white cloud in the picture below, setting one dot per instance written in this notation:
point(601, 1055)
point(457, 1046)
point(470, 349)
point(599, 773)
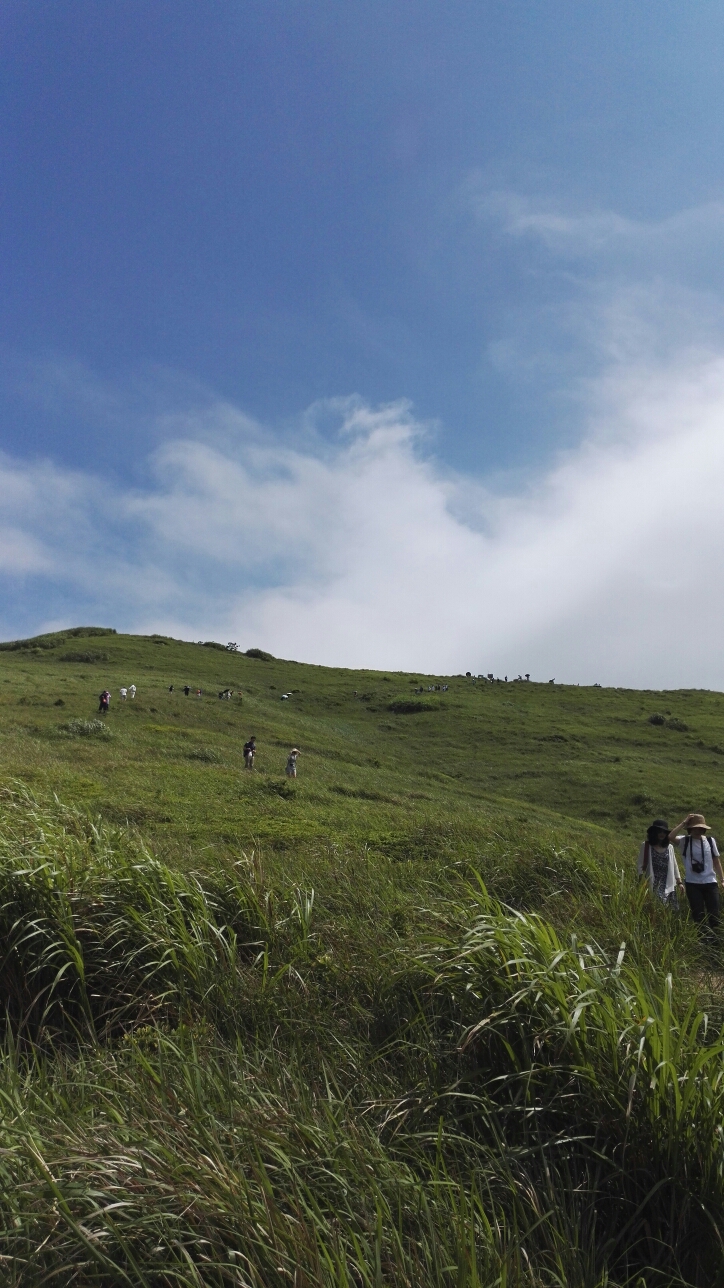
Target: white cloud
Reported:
point(365, 551)
point(599, 233)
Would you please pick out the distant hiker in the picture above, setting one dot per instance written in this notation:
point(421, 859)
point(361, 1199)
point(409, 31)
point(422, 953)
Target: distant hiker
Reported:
point(131, 690)
point(104, 701)
point(249, 753)
point(187, 689)
point(170, 688)
point(123, 693)
point(291, 769)
point(198, 693)
point(657, 862)
point(702, 869)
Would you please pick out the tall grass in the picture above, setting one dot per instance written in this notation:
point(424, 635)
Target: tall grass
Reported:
point(216, 1077)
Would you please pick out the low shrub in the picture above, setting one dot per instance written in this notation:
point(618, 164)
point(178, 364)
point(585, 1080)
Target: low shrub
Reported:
point(88, 657)
point(411, 706)
point(589, 1075)
point(86, 729)
point(78, 632)
point(97, 933)
point(260, 654)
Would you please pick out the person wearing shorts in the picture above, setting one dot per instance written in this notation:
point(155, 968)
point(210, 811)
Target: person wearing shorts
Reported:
point(291, 770)
point(702, 870)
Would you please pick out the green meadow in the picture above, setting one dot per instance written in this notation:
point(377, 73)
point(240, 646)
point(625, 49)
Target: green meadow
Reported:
point(408, 1019)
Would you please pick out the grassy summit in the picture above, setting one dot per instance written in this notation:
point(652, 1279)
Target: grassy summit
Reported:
point(371, 1027)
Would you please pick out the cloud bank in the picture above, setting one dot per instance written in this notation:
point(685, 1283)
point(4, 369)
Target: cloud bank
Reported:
point(360, 549)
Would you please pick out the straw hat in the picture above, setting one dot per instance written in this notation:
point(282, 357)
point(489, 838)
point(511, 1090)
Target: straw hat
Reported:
point(697, 820)
point(293, 751)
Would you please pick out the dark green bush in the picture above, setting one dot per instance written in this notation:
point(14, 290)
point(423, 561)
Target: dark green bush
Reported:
point(411, 706)
point(89, 657)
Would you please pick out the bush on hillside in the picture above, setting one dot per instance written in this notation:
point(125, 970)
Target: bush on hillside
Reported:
point(77, 632)
point(672, 723)
point(86, 729)
point(52, 641)
point(259, 654)
point(89, 657)
point(411, 706)
point(97, 932)
point(550, 1041)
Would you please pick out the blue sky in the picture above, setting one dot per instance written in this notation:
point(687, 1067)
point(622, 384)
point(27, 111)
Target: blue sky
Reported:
point(436, 286)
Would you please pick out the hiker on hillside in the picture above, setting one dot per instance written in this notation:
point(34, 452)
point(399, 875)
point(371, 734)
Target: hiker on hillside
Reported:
point(702, 869)
point(249, 752)
point(657, 862)
point(104, 701)
point(123, 693)
point(131, 690)
point(187, 689)
point(291, 769)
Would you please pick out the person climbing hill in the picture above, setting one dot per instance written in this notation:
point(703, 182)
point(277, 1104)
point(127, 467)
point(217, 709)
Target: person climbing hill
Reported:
point(702, 869)
point(657, 862)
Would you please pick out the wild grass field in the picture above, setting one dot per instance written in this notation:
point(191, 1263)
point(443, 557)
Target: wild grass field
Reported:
point(407, 1020)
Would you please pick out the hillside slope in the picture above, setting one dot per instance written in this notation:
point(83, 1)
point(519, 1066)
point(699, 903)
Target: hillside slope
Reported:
point(173, 764)
point(409, 1019)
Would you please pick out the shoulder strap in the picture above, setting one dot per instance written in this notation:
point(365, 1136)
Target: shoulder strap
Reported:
point(685, 846)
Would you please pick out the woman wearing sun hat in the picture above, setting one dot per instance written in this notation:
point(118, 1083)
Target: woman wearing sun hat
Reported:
point(291, 770)
point(702, 868)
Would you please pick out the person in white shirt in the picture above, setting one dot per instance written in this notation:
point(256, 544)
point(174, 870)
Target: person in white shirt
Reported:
point(132, 690)
point(123, 693)
point(702, 869)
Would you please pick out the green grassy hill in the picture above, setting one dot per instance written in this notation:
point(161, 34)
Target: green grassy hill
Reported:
point(367, 771)
point(407, 1020)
